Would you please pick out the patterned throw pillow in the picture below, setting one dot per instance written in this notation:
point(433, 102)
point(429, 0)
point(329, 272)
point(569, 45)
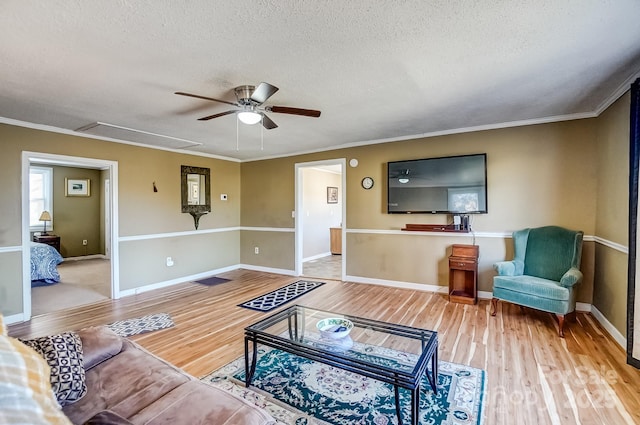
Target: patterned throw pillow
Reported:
point(25, 387)
point(63, 353)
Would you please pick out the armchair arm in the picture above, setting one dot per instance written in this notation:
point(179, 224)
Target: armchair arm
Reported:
point(509, 268)
point(572, 277)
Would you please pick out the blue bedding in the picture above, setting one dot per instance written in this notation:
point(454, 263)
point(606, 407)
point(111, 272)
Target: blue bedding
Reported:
point(44, 262)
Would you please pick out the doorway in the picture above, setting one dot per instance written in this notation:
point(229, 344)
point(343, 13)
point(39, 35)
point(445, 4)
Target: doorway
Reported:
point(320, 214)
point(108, 221)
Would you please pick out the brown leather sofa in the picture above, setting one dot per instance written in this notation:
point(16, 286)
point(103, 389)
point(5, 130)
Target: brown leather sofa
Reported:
point(128, 385)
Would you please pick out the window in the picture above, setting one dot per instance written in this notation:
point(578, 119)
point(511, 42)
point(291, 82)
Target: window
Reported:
point(40, 196)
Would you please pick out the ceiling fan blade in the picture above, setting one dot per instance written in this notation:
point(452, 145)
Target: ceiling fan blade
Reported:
point(294, 111)
point(221, 114)
point(268, 123)
point(205, 98)
point(263, 92)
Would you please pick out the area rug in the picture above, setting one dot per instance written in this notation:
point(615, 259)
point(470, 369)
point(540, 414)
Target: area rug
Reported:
point(140, 325)
point(275, 299)
point(297, 391)
point(214, 280)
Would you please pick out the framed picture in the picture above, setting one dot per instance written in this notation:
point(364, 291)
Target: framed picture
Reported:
point(332, 195)
point(77, 187)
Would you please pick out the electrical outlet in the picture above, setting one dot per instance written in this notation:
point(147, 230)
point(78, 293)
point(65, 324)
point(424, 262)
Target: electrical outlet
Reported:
point(169, 262)
point(256, 250)
point(84, 242)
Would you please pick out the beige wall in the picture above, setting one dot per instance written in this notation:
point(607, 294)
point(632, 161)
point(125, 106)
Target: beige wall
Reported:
point(610, 289)
point(537, 175)
point(142, 212)
point(77, 217)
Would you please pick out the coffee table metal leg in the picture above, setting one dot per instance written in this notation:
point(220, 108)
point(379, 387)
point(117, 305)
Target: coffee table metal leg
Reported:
point(434, 371)
point(397, 393)
point(415, 405)
point(249, 370)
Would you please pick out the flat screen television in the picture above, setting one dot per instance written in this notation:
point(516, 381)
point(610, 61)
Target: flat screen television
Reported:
point(448, 185)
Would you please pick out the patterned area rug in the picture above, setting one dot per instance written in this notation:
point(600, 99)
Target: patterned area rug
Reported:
point(275, 299)
point(297, 391)
point(140, 325)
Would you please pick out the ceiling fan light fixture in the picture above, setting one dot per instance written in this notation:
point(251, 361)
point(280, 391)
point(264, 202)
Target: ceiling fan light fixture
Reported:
point(249, 117)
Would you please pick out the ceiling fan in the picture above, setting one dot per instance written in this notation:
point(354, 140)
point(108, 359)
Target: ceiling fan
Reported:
point(250, 108)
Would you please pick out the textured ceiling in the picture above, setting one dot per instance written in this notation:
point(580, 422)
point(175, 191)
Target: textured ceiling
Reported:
point(377, 70)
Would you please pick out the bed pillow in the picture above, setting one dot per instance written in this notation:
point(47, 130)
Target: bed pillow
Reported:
point(25, 387)
point(63, 353)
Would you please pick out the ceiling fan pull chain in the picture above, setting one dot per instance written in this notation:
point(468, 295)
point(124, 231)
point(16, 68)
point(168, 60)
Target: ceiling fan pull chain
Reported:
point(262, 133)
point(237, 137)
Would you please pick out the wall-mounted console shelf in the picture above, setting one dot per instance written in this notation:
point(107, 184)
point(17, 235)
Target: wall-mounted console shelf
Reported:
point(434, 228)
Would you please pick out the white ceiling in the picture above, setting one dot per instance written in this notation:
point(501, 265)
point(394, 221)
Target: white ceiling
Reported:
point(378, 70)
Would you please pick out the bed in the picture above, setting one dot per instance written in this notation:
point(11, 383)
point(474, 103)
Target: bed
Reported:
point(44, 264)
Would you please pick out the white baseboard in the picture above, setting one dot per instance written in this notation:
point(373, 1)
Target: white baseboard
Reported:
point(266, 269)
point(14, 318)
point(584, 307)
point(615, 333)
point(485, 295)
point(176, 281)
point(315, 257)
point(399, 284)
point(87, 257)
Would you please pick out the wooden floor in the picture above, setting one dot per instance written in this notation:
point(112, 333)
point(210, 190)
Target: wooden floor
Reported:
point(533, 376)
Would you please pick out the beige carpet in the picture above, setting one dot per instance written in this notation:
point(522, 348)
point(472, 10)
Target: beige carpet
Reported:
point(83, 282)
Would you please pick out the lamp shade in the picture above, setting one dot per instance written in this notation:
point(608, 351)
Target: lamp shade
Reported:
point(45, 216)
point(249, 117)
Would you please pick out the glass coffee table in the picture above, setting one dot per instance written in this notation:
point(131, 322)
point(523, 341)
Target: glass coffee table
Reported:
point(294, 330)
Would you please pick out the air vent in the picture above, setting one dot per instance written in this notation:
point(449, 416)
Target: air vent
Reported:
point(137, 136)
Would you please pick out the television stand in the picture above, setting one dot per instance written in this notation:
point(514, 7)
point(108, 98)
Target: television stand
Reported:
point(434, 228)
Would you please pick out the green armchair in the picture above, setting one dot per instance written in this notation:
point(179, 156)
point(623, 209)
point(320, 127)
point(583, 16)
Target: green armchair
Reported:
point(544, 273)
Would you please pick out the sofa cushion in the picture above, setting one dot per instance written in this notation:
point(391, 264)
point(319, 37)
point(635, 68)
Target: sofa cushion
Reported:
point(63, 353)
point(196, 403)
point(107, 417)
point(25, 387)
point(99, 343)
point(125, 384)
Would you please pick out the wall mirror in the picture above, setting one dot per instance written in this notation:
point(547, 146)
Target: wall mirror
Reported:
point(195, 188)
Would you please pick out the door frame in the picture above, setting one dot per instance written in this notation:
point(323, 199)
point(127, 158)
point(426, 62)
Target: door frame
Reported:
point(299, 216)
point(29, 158)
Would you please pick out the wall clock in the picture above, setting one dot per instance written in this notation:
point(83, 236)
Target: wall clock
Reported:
point(367, 183)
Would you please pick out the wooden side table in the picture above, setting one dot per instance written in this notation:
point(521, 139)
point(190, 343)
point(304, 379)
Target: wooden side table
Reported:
point(336, 240)
point(463, 274)
point(53, 240)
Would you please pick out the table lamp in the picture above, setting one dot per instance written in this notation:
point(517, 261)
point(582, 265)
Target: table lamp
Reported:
point(45, 216)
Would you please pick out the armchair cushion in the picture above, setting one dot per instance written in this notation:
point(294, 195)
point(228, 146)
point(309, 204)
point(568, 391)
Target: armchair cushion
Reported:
point(530, 285)
point(551, 251)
